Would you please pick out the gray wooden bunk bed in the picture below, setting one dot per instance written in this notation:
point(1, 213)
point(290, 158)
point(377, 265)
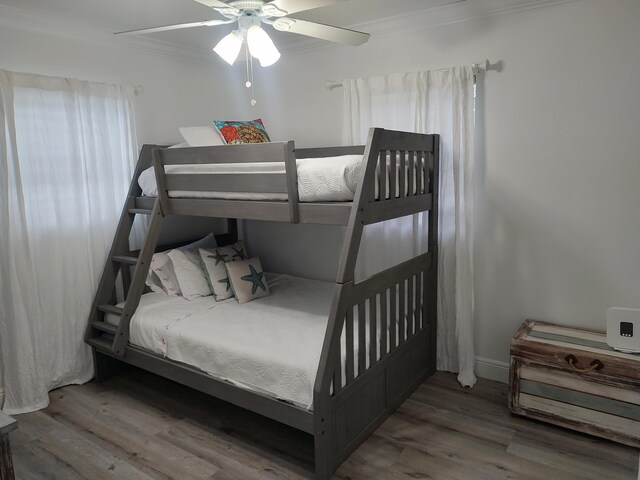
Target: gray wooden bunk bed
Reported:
point(352, 394)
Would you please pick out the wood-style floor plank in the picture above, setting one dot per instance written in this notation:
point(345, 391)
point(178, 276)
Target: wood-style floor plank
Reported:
point(139, 426)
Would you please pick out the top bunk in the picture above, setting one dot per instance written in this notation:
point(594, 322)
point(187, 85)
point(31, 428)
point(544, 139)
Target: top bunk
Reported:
point(393, 176)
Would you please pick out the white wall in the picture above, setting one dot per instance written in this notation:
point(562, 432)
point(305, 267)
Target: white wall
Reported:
point(558, 219)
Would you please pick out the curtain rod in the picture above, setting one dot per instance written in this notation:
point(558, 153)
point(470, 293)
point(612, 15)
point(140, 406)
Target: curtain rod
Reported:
point(477, 67)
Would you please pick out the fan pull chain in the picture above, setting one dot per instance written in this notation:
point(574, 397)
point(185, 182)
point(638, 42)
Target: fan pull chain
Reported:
point(249, 83)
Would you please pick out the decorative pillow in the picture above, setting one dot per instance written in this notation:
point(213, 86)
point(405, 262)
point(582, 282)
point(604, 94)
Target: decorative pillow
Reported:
point(186, 264)
point(247, 279)
point(242, 132)
point(162, 267)
point(214, 261)
point(201, 136)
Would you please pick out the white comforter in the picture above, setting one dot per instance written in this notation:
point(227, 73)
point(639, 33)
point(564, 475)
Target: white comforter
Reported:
point(330, 179)
point(271, 345)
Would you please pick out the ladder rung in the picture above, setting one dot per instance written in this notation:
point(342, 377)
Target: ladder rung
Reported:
point(105, 327)
point(125, 259)
point(110, 309)
point(140, 211)
point(101, 342)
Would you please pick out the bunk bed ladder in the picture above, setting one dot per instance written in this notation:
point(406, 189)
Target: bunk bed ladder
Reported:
point(104, 335)
point(132, 266)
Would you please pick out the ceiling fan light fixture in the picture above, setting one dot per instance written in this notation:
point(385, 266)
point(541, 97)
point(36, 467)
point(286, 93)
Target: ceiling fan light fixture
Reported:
point(261, 46)
point(229, 47)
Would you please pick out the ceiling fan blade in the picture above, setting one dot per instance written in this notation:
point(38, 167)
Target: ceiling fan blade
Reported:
point(292, 6)
point(212, 3)
point(319, 30)
point(207, 23)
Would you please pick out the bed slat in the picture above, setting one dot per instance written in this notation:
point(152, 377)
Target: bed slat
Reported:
point(402, 331)
point(393, 174)
point(373, 329)
point(384, 324)
point(337, 372)
point(382, 169)
point(419, 301)
point(411, 191)
point(362, 338)
point(393, 317)
point(228, 182)
point(419, 172)
point(411, 318)
point(402, 187)
point(349, 345)
point(244, 153)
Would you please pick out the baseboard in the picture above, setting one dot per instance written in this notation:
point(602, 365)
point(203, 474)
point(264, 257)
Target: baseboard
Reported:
point(492, 369)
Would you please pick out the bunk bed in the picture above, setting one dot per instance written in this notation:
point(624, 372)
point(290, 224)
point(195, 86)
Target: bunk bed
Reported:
point(380, 339)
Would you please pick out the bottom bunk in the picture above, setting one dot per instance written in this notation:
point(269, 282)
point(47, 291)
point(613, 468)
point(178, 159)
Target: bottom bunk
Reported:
point(267, 355)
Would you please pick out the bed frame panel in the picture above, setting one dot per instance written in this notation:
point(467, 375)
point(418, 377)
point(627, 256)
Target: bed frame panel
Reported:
point(391, 314)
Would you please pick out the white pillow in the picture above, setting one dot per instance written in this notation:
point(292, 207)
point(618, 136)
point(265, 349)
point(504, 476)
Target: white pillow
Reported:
point(162, 267)
point(190, 275)
point(153, 282)
point(201, 136)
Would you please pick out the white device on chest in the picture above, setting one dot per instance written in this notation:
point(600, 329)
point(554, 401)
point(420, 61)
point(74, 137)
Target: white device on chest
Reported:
point(623, 329)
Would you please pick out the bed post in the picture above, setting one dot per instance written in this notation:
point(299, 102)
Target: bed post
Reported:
point(324, 421)
point(431, 287)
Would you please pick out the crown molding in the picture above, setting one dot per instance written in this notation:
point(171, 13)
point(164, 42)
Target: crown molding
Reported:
point(25, 20)
point(456, 12)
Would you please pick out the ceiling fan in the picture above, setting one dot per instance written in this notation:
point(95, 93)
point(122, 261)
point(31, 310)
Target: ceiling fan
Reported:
point(251, 14)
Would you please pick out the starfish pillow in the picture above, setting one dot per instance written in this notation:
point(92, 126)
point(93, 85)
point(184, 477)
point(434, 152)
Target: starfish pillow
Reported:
point(248, 280)
point(214, 261)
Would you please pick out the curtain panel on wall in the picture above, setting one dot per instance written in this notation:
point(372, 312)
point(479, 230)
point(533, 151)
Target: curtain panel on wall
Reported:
point(440, 102)
point(67, 154)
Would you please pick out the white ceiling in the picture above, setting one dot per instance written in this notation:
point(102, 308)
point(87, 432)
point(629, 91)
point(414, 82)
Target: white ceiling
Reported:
point(119, 15)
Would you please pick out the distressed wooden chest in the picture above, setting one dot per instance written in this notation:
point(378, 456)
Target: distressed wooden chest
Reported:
point(572, 378)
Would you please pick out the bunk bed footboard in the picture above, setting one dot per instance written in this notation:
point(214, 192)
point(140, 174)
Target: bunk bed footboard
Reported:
point(380, 343)
point(386, 349)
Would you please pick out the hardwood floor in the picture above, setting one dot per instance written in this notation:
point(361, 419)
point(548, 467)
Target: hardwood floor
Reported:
point(140, 426)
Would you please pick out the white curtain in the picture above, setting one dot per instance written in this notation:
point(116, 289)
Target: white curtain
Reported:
point(67, 153)
point(440, 102)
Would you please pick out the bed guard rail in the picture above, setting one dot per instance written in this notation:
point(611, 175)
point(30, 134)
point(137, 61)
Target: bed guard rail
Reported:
point(282, 183)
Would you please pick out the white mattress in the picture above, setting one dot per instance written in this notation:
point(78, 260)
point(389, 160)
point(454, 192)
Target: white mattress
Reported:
point(329, 179)
point(271, 345)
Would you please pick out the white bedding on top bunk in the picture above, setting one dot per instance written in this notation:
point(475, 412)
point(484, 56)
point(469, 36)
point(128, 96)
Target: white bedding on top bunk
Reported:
point(271, 345)
point(329, 179)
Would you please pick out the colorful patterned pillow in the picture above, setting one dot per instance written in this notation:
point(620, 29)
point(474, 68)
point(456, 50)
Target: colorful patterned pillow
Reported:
point(214, 262)
point(242, 132)
point(247, 279)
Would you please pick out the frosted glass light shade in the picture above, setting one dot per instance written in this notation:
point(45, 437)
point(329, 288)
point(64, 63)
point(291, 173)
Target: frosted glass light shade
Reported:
point(261, 46)
point(229, 47)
